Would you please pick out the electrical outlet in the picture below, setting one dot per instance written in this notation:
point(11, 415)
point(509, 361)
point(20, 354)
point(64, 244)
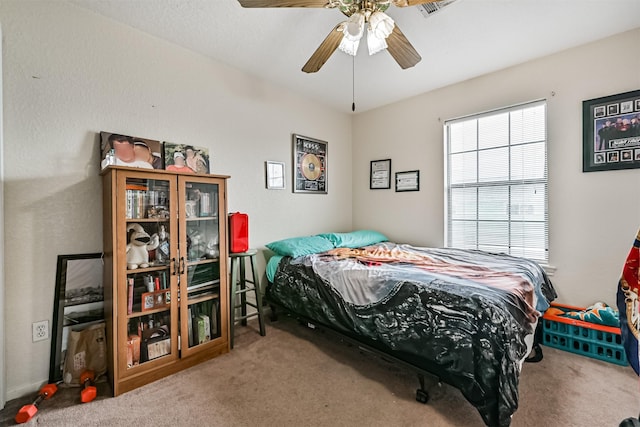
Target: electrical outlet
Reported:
point(40, 330)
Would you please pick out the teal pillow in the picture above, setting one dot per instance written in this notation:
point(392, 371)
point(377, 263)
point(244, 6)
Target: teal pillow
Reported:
point(272, 267)
point(299, 246)
point(354, 239)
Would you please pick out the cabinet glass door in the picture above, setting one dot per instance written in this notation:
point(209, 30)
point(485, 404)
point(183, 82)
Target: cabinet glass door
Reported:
point(147, 294)
point(199, 263)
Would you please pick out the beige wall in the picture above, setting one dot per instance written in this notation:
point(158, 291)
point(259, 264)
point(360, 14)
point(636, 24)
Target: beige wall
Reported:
point(593, 216)
point(69, 74)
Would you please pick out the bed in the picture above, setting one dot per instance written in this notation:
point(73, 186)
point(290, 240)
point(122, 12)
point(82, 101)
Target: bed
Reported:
point(465, 316)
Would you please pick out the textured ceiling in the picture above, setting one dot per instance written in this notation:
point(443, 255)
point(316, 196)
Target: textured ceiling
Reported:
point(466, 39)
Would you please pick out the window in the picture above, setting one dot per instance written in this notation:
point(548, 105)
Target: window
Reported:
point(496, 182)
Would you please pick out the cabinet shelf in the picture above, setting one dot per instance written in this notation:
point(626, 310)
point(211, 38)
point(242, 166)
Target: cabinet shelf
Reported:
point(203, 297)
point(149, 269)
point(205, 285)
point(202, 261)
point(147, 219)
point(201, 218)
point(137, 314)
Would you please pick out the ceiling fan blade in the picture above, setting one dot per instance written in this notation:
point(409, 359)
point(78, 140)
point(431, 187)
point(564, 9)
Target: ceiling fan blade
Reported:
point(324, 51)
point(405, 3)
point(401, 50)
point(283, 3)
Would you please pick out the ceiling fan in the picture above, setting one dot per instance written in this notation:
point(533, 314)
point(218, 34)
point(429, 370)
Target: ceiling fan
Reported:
point(382, 32)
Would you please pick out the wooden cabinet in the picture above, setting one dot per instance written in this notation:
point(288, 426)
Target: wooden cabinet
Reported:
point(165, 264)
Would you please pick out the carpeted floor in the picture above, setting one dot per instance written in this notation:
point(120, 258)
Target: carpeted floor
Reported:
point(296, 376)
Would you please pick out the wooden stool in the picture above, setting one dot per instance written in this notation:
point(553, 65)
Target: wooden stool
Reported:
point(238, 263)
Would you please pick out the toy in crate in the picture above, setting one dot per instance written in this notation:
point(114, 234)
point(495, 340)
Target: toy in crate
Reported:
point(595, 340)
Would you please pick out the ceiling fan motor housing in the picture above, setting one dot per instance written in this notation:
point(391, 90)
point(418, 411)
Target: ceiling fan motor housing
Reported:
point(366, 7)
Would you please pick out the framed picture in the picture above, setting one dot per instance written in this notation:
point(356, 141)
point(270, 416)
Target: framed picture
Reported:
point(130, 151)
point(380, 174)
point(78, 303)
point(148, 301)
point(156, 299)
point(310, 165)
point(274, 175)
point(611, 132)
point(186, 158)
point(408, 181)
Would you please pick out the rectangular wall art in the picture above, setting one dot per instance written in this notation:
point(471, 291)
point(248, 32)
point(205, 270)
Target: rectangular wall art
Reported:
point(186, 158)
point(310, 165)
point(611, 132)
point(132, 151)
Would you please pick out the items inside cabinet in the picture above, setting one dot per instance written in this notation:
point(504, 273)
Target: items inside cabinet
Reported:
point(165, 257)
point(148, 338)
point(203, 262)
point(148, 225)
point(203, 320)
point(148, 315)
point(201, 213)
point(147, 198)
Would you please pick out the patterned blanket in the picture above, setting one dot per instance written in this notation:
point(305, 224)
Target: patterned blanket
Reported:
point(466, 316)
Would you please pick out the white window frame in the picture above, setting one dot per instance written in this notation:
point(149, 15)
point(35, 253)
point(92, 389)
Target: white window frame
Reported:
point(509, 182)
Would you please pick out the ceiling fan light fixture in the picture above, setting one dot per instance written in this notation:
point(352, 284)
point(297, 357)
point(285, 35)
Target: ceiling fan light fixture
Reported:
point(381, 25)
point(353, 30)
point(349, 46)
point(374, 43)
point(355, 26)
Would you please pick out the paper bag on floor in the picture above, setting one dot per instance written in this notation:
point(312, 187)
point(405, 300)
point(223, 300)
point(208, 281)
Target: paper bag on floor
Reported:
point(86, 350)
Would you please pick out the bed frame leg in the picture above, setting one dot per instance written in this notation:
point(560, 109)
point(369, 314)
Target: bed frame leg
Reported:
point(274, 314)
point(422, 395)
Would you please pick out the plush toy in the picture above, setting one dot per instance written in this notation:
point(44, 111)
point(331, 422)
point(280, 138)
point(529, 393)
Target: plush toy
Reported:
point(195, 244)
point(140, 243)
point(213, 249)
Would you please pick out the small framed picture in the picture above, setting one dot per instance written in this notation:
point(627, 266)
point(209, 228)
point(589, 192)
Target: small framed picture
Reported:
point(148, 301)
point(274, 175)
point(380, 174)
point(626, 107)
point(408, 181)
point(190, 208)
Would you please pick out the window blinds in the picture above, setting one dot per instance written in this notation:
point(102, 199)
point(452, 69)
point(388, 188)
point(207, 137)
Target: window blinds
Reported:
point(496, 182)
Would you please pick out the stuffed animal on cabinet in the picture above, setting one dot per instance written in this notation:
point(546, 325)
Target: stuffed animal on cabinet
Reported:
point(138, 246)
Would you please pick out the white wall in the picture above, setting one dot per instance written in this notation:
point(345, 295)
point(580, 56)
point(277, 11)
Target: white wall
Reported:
point(593, 216)
point(69, 74)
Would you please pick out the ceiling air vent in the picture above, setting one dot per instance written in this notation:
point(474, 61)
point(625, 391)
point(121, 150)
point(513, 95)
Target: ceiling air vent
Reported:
point(428, 9)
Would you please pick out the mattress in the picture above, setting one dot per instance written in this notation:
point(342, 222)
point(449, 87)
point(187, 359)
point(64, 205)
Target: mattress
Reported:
point(466, 316)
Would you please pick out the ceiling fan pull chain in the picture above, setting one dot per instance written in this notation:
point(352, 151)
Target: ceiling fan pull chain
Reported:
point(353, 83)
